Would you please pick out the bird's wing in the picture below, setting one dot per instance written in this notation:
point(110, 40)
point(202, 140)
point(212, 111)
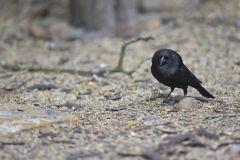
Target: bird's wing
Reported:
point(184, 75)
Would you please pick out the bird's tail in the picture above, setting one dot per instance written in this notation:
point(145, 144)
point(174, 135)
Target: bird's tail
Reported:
point(203, 91)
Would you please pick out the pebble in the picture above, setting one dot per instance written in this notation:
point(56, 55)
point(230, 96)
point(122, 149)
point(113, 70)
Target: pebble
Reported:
point(85, 92)
point(187, 103)
point(112, 96)
point(72, 105)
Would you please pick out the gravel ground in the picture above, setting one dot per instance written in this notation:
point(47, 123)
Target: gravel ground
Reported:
point(120, 117)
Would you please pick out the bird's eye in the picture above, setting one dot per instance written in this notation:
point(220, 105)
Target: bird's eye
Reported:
point(166, 57)
point(164, 60)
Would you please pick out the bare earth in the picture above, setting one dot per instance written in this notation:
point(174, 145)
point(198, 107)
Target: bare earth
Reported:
point(117, 116)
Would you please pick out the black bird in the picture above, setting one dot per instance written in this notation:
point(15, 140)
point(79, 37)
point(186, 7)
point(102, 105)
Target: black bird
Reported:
point(168, 69)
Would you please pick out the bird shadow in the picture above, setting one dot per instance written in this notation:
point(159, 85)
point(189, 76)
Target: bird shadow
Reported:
point(176, 99)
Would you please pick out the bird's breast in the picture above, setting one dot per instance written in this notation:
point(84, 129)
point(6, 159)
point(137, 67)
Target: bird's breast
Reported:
point(162, 76)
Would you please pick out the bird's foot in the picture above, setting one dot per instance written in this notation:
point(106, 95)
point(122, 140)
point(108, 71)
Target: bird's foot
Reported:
point(166, 101)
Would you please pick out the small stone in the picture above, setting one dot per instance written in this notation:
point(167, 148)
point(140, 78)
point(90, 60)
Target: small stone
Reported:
point(108, 94)
point(78, 97)
point(155, 95)
point(42, 86)
point(72, 105)
point(85, 92)
point(112, 96)
point(13, 121)
point(59, 45)
point(100, 69)
point(115, 97)
point(54, 107)
point(115, 109)
point(77, 129)
point(47, 133)
point(63, 60)
point(187, 103)
point(66, 89)
point(237, 110)
point(174, 109)
point(36, 104)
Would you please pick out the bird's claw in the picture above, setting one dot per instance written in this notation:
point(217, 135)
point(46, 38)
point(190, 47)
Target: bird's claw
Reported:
point(166, 101)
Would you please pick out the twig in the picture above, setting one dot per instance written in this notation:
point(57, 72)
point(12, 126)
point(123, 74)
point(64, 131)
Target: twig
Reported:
point(223, 144)
point(115, 109)
point(118, 68)
point(43, 69)
point(145, 155)
point(72, 71)
point(17, 85)
point(2, 144)
point(222, 116)
point(82, 155)
point(11, 67)
point(63, 141)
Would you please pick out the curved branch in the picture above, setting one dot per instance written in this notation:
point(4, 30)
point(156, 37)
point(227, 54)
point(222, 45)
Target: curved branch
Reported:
point(124, 47)
point(118, 68)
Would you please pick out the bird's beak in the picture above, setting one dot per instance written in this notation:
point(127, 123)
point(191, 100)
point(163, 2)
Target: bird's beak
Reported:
point(162, 61)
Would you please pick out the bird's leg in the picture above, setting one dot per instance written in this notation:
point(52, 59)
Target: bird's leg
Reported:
point(170, 92)
point(185, 91)
point(167, 99)
point(185, 94)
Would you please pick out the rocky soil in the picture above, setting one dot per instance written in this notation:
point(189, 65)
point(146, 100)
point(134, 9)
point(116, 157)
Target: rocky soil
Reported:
point(47, 115)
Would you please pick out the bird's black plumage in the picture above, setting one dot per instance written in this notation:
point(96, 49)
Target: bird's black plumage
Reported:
point(168, 69)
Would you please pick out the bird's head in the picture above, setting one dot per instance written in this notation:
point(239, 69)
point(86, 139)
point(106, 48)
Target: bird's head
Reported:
point(166, 59)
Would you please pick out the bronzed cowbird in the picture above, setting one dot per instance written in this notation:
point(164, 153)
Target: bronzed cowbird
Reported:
point(168, 69)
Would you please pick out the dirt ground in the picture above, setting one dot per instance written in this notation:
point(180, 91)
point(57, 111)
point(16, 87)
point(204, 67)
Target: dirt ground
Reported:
point(118, 117)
